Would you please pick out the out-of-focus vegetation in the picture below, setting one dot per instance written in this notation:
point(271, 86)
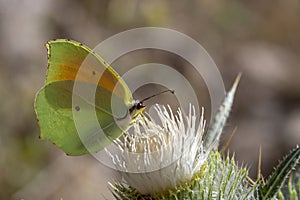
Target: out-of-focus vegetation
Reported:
point(259, 38)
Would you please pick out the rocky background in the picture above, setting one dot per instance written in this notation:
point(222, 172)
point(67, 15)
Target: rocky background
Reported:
point(261, 39)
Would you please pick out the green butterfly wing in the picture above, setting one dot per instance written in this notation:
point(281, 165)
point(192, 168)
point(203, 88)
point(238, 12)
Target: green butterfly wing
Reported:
point(73, 121)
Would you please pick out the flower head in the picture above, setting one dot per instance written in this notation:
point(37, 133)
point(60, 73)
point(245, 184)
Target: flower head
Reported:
point(155, 158)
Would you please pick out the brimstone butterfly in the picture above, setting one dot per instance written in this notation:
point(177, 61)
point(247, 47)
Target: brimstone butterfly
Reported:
point(53, 103)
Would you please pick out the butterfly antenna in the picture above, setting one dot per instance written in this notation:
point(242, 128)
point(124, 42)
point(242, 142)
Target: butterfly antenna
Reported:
point(154, 95)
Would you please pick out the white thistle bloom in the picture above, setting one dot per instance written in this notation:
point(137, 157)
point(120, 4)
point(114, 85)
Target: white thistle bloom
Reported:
point(155, 158)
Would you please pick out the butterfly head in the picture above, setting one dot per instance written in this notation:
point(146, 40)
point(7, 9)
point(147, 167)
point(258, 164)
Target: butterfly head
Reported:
point(137, 108)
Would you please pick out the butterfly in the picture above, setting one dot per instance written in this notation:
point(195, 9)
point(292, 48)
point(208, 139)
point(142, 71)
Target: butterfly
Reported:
point(73, 65)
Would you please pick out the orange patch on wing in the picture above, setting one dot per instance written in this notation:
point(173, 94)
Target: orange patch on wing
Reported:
point(69, 61)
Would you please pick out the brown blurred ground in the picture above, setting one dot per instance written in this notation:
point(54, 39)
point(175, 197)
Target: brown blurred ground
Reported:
point(259, 38)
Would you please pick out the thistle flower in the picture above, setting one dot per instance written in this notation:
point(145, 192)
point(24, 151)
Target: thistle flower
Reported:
point(156, 158)
point(168, 161)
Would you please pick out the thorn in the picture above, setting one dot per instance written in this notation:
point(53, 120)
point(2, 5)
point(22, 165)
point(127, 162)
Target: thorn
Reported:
point(263, 180)
point(250, 180)
point(236, 82)
point(259, 164)
point(228, 141)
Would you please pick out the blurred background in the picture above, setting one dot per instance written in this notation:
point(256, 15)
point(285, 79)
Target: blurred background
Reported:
point(261, 39)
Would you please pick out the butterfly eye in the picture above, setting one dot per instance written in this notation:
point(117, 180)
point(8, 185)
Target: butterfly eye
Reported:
point(139, 106)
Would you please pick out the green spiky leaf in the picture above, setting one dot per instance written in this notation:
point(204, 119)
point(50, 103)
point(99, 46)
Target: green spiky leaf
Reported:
point(215, 129)
point(277, 179)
